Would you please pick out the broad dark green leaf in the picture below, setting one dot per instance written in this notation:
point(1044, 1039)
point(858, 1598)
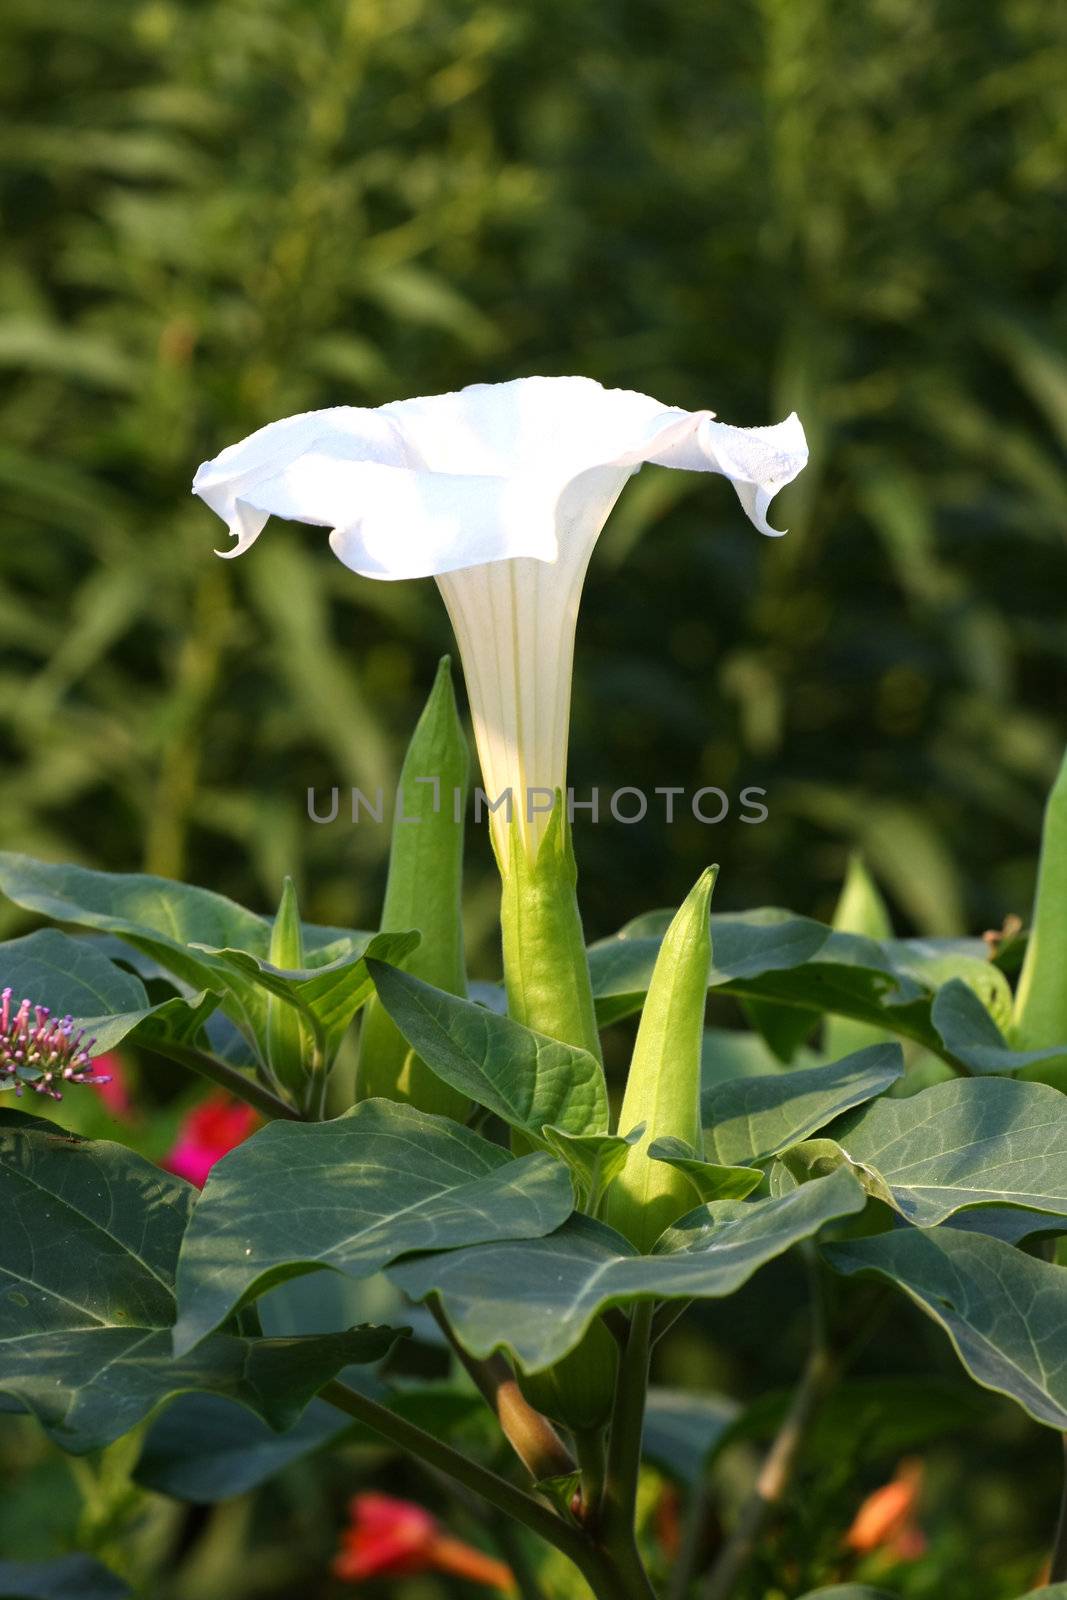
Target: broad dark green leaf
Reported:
point(536, 1298)
point(352, 1195)
point(969, 1142)
point(65, 1578)
point(709, 1182)
point(751, 1119)
point(86, 1298)
point(1003, 1311)
point(788, 971)
point(525, 1078)
point(970, 1034)
point(1007, 1223)
point(205, 1449)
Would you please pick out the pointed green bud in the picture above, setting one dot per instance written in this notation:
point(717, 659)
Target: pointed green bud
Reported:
point(546, 969)
point(663, 1087)
point(860, 909)
point(423, 891)
point(290, 1047)
point(1041, 999)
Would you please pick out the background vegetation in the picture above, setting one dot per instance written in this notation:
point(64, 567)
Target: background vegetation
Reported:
point(217, 212)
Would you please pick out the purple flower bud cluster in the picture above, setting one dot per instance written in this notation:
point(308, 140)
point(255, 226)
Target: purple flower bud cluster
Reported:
point(40, 1052)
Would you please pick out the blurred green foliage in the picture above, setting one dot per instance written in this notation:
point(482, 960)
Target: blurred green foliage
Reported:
point(218, 212)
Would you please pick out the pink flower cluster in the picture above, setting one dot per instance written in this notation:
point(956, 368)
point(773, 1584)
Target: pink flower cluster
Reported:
point(39, 1051)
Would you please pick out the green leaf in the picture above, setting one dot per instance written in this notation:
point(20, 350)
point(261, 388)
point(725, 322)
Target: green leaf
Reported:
point(682, 1429)
point(163, 920)
point(65, 1578)
point(708, 1182)
point(969, 1033)
point(594, 1158)
point(524, 1077)
point(969, 1142)
point(86, 1299)
point(751, 1119)
point(205, 1449)
point(1003, 1311)
point(73, 978)
point(787, 971)
point(536, 1298)
point(761, 941)
point(352, 1195)
point(327, 996)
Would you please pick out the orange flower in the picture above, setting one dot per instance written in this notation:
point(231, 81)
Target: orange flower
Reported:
point(886, 1520)
point(394, 1538)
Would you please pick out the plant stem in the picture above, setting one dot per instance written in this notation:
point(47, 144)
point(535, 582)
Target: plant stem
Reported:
point(230, 1078)
point(592, 1463)
point(624, 1454)
point(532, 1437)
point(818, 1376)
point(1057, 1572)
point(596, 1566)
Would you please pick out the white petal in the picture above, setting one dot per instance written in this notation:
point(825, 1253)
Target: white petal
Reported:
point(758, 462)
point(425, 524)
point(236, 483)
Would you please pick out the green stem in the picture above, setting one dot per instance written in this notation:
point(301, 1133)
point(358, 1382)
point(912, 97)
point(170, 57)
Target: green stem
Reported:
point(531, 1436)
point(619, 1512)
point(237, 1083)
point(595, 1566)
point(592, 1465)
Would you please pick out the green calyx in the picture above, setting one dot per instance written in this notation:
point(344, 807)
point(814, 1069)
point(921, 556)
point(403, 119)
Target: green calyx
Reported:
point(663, 1087)
point(1040, 1018)
point(546, 970)
point(423, 891)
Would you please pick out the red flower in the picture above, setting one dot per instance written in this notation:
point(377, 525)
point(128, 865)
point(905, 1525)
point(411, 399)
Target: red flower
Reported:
point(394, 1538)
point(212, 1128)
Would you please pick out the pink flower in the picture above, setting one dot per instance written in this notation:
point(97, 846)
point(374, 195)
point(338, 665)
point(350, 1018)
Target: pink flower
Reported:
point(211, 1129)
point(114, 1090)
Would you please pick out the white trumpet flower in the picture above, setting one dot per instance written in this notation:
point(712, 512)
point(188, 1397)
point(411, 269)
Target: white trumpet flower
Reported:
point(499, 492)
